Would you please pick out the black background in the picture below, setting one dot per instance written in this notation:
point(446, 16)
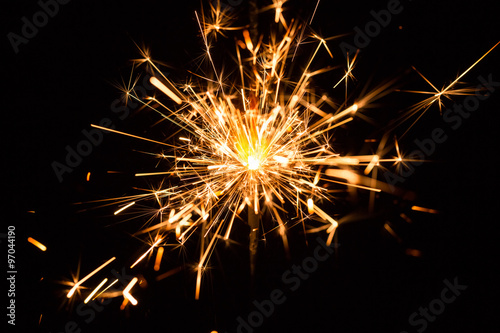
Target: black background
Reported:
point(62, 80)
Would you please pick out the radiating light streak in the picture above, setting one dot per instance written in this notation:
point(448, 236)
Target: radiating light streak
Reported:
point(146, 253)
point(123, 208)
point(168, 273)
point(158, 84)
point(130, 135)
point(104, 290)
point(154, 173)
point(72, 291)
point(89, 297)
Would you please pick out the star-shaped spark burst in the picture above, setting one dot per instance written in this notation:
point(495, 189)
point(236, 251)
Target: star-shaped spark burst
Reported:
point(256, 141)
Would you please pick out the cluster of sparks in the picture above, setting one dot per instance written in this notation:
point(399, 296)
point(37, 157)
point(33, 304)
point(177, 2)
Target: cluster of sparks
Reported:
point(256, 146)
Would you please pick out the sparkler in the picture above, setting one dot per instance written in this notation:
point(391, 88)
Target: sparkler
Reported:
point(259, 142)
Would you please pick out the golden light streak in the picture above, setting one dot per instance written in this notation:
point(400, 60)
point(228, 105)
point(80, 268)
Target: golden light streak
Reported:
point(130, 135)
point(372, 164)
point(153, 173)
point(123, 208)
point(37, 244)
point(158, 84)
point(126, 291)
point(72, 291)
point(325, 216)
point(146, 253)
point(424, 210)
point(104, 290)
point(159, 255)
point(406, 218)
point(168, 273)
point(392, 232)
point(124, 304)
point(89, 297)
point(88, 176)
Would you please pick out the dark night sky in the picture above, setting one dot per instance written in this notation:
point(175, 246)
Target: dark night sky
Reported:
point(61, 81)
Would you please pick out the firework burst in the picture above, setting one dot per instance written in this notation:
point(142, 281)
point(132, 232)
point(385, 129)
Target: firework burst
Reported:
point(255, 142)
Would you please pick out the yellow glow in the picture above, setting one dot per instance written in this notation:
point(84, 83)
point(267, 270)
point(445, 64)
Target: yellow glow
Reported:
point(310, 206)
point(253, 163)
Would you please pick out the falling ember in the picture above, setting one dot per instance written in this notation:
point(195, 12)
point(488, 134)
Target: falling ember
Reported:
point(159, 255)
point(88, 176)
point(37, 244)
